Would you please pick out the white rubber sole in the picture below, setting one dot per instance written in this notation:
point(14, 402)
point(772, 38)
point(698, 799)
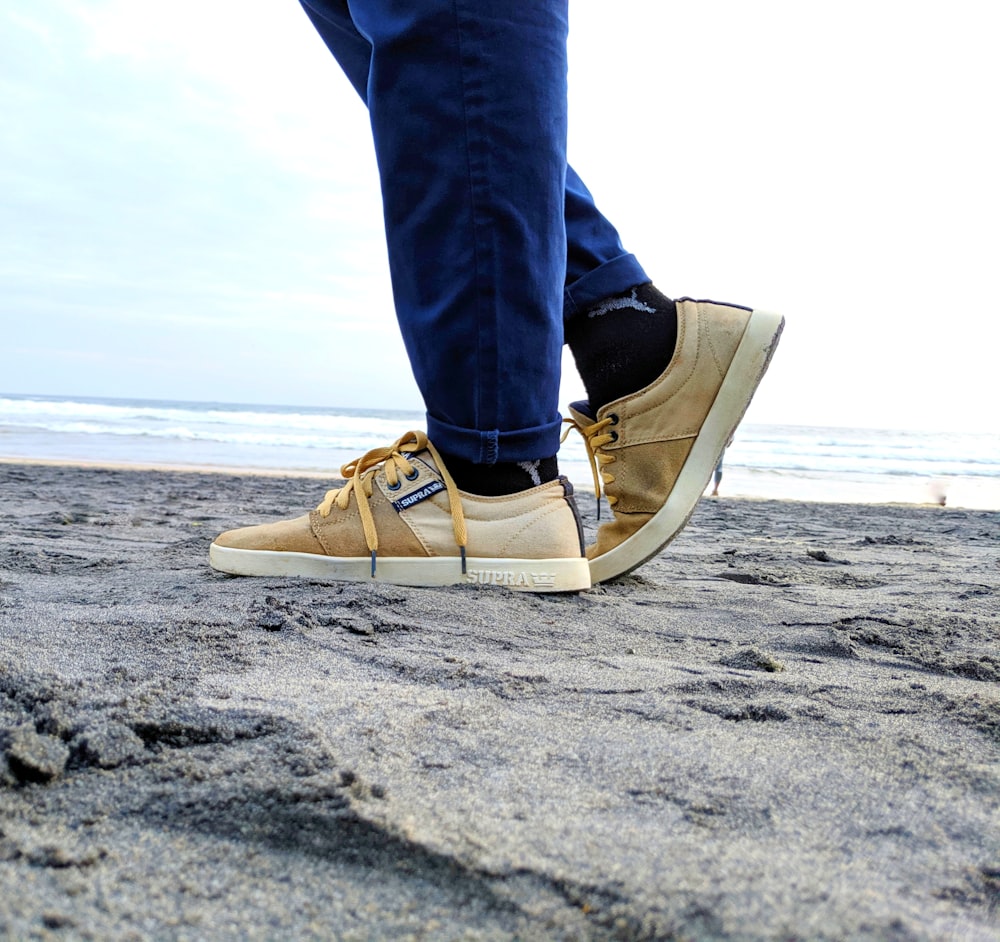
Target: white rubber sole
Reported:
point(741, 381)
point(525, 575)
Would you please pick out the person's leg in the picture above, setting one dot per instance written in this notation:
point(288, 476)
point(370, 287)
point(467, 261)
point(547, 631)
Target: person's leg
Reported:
point(597, 265)
point(717, 478)
point(620, 329)
point(666, 383)
point(623, 350)
point(467, 100)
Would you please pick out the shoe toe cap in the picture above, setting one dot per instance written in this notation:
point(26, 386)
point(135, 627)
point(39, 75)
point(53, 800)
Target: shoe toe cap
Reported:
point(288, 536)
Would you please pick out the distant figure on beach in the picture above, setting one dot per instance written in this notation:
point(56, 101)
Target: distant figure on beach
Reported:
point(717, 476)
point(498, 254)
point(938, 492)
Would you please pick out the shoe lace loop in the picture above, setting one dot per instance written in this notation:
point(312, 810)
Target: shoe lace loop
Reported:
point(595, 437)
point(393, 459)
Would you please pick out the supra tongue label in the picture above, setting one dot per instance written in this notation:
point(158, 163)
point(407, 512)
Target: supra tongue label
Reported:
point(428, 490)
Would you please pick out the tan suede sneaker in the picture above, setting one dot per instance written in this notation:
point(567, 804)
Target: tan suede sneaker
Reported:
point(400, 518)
point(656, 449)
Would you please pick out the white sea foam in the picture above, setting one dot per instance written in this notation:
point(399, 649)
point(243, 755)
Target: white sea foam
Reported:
point(763, 461)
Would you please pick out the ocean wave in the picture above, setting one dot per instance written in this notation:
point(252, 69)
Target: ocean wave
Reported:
point(359, 440)
point(43, 411)
point(107, 427)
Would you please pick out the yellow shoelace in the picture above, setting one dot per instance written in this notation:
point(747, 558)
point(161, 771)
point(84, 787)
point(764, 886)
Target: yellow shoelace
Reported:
point(360, 475)
point(595, 437)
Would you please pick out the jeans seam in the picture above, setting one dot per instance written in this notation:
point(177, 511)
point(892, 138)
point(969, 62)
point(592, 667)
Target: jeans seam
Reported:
point(477, 179)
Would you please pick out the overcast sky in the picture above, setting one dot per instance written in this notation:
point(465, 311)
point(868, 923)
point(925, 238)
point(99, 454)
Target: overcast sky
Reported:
point(189, 207)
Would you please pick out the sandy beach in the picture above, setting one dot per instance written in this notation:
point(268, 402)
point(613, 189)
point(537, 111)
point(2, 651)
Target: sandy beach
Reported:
point(787, 726)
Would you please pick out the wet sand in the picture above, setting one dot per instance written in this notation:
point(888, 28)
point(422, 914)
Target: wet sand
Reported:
point(787, 726)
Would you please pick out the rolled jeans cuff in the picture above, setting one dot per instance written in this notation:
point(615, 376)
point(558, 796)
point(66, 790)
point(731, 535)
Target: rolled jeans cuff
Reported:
point(490, 447)
point(605, 281)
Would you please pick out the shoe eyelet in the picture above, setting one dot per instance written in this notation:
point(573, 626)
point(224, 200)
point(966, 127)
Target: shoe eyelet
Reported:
point(614, 436)
point(413, 476)
point(614, 417)
point(394, 487)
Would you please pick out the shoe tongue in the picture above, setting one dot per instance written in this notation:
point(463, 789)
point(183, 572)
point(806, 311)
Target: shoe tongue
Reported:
point(581, 410)
point(426, 458)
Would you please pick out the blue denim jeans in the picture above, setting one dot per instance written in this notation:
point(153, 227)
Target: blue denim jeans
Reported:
point(492, 238)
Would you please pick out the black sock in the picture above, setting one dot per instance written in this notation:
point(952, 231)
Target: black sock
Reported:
point(505, 477)
point(623, 343)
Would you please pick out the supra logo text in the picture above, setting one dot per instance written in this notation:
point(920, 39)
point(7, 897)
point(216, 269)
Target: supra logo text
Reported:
point(428, 490)
point(511, 578)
